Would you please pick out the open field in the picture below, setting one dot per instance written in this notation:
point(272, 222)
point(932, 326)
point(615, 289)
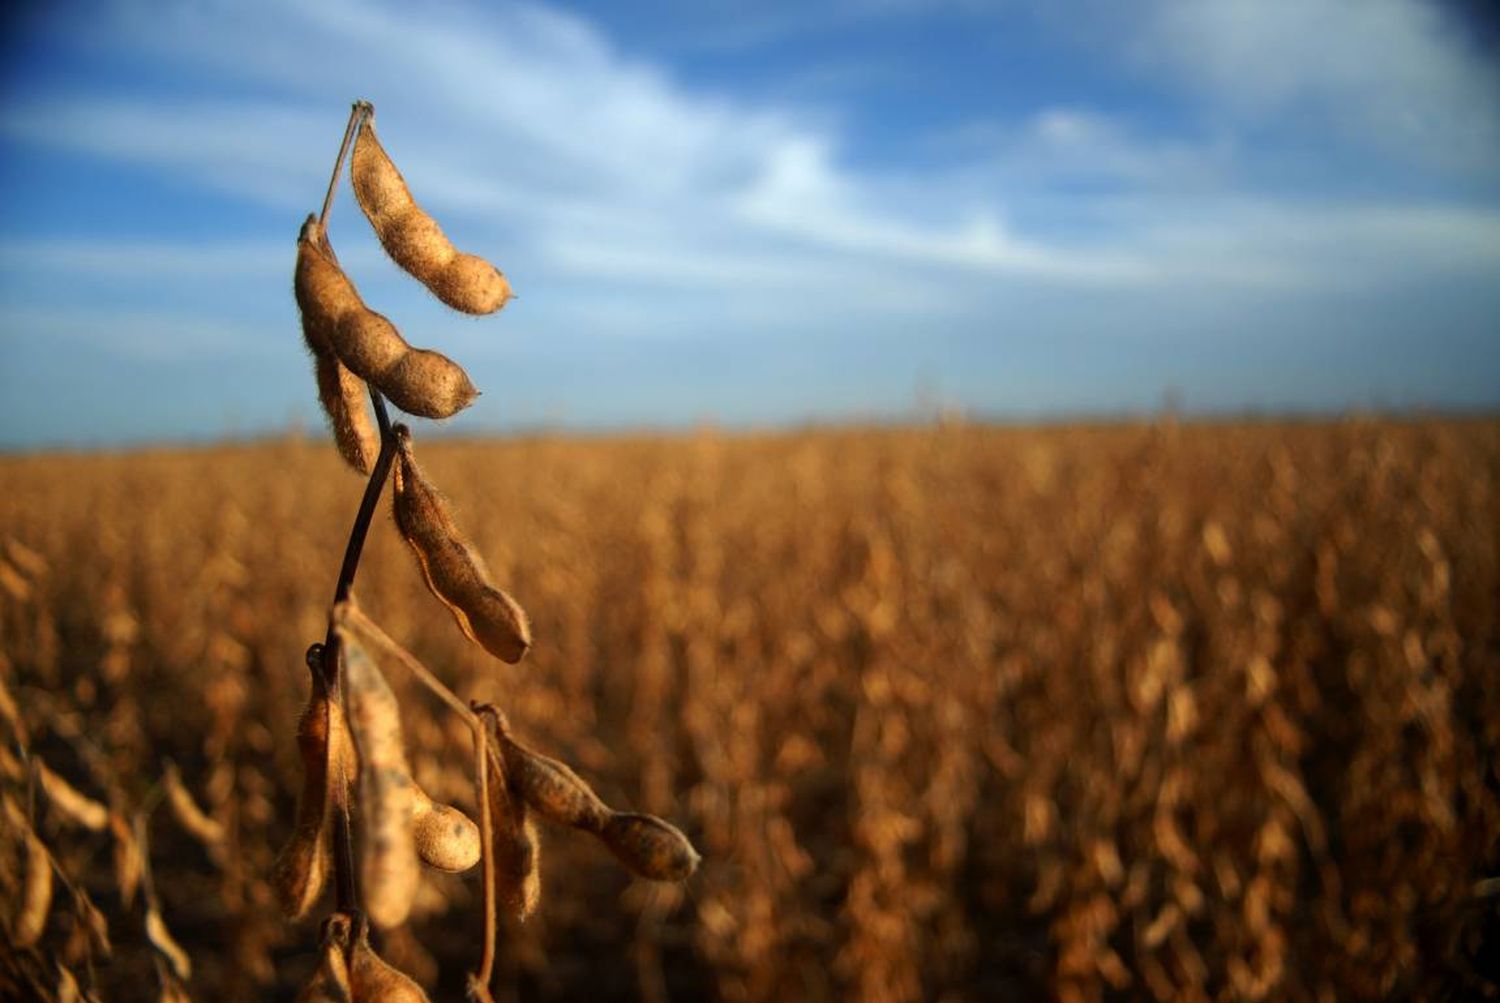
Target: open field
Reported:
point(953, 713)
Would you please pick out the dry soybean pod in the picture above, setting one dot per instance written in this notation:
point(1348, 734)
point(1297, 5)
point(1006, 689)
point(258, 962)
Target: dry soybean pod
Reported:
point(342, 395)
point(330, 982)
point(454, 573)
point(417, 381)
point(373, 980)
point(551, 787)
point(649, 846)
point(388, 865)
point(413, 239)
point(446, 838)
point(513, 835)
point(36, 894)
point(302, 867)
point(70, 802)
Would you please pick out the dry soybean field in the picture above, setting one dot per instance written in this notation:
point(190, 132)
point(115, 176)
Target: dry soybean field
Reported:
point(1163, 710)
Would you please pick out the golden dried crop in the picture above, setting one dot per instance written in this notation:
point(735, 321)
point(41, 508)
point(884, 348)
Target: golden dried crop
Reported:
point(453, 571)
point(373, 980)
point(552, 788)
point(513, 835)
point(185, 809)
point(70, 802)
point(389, 870)
point(418, 381)
point(342, 395)
point(330, 980)
point(649, 846)
point(36, 894)
point(446, 838)
point(303, 864)
point(414, 240)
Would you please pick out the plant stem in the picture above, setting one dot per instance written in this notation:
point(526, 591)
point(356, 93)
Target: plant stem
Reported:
point(329, 664)
point(356, 117)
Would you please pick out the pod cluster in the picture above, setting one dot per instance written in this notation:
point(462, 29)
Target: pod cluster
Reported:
point(403, 826)
point(349, 970)
point(336, 320)
point(353, 346)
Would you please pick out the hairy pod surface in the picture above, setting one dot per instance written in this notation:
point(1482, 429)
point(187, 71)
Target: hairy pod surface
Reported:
point(552, 788)
point(372, 980)
point(650, 846)
point(389, 871)
point(417, 381)
point(330, 981)
point(413, 238)
point(513, 835)
point(453, 572)
point(301, 869)
point(446, 838)
point(342, 395)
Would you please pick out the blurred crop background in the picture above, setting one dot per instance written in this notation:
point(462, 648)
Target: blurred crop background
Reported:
point(1018, 485)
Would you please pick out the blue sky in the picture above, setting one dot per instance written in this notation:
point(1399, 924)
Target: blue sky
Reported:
point(761, 213)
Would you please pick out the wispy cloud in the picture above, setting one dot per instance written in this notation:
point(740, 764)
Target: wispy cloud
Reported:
point(630, 201)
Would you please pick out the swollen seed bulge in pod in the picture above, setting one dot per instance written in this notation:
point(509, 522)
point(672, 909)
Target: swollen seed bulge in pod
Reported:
point(550, 787)
point(446, 838)
point(650, 847)
point(388, 867)
point(413, 238)
point(374, 981)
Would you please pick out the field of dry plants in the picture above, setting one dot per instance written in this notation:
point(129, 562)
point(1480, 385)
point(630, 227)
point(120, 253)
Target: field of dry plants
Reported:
point(1149, 711)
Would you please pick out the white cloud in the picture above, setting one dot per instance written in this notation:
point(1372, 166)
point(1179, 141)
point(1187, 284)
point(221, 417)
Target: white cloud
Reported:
point(1396, 73)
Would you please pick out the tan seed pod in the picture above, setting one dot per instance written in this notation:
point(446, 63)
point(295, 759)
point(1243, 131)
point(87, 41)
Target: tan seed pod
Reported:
point(72, 804)
point(193, 819)
point(446, 838)
point(388, 864)
point(36, 894)
point(372, 980)
point(454, 572)
point(342, 395)
point(414, 240)
point(513, 835)
point(330, 981)
point(166, 945)
point(130, 863)
point(303, 865)
point(333, 315)
point(650, 847)
point(550, 787)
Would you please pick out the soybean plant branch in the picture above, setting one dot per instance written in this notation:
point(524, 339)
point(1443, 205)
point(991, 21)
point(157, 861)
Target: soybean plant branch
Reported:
point(324, 659)
point(356, 118)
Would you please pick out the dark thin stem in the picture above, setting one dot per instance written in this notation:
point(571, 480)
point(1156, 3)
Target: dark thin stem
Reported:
point(356, 117)
point(328, 663)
